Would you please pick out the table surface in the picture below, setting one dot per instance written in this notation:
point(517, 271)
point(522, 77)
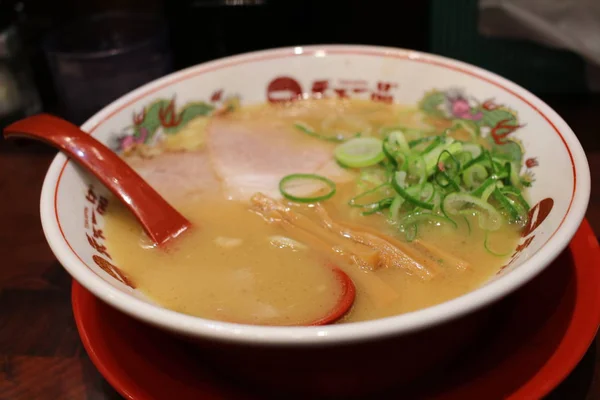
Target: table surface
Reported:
point(41, 355)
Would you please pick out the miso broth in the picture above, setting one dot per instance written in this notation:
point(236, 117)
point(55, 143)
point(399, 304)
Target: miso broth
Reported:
point(255, 256)
point(231, 267)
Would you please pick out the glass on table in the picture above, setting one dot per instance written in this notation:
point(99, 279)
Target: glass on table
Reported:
point(98, 58)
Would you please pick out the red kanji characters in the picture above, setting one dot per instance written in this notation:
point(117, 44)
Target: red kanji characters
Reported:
point(98, 234)
point(112, 270)
point(102, 204)
point(86, 212)
point(504, 266)
point(352, 85)
point(341, 93)
point(93, 218)
point(216, 96)
point(359, 86)
point(524, 245)
point(382, 94)
point(347, 86)
point(385, 86)
point(99, 247)
point(383, 98)
point(319, 89)
point(91, 196)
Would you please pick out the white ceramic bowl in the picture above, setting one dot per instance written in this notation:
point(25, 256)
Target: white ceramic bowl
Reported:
point(554, 156)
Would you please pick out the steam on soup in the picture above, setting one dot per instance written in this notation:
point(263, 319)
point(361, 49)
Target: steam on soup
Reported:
point(415, 211)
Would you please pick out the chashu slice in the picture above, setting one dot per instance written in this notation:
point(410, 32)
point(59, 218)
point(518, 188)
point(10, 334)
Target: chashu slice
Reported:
point(178, 175)
point(251, 156)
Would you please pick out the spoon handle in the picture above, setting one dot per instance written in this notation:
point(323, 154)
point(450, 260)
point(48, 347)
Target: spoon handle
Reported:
point(158, 218)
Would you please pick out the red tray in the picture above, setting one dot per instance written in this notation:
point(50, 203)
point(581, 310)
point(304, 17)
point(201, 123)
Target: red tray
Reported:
point(539, 335)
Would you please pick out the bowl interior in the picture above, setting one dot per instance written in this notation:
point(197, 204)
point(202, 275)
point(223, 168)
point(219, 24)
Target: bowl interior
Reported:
point(516, 121)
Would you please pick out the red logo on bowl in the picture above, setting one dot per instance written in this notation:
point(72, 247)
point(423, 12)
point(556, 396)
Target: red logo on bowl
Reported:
point(285, 89)
point(96, 208)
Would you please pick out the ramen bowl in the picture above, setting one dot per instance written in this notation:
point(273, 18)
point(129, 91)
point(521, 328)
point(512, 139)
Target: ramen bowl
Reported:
point(341, 358)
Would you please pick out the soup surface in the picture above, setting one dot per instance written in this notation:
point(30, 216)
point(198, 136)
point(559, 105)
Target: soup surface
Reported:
point(263, 248)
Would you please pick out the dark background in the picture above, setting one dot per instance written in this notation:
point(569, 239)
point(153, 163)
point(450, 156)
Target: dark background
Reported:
point(201, 30)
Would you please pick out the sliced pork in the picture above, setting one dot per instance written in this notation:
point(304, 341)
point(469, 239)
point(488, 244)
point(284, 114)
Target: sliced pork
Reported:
point(251, 156)
point(178, 175)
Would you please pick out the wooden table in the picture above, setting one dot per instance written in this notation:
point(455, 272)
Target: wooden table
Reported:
point(41, 356)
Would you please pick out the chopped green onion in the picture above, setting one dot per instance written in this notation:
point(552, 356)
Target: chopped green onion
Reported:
point(303, 180)
point(486, 245)
point(468, 223)
point(417, 176)
point(520, 209)
point(436, 200)
point(410, 231)
point(446, 181)
point(448, 163)
point(464, 157)
point(432, 157)
point(397, 140)
point(488, 157)
point(482, 158)
point(374, 176)
point(473, 175)
point(474, 149)
point(416, 166)
point(310, 132)
point(454, 202)
point(411, 134)
point(395, 147)
point(395, 207)
point(486, 184)
point(512, 191)
point(506, 205)
point(414, 143)
point(489, 190)
point(427, 192)
point(380, 205)
point(397, 184)
point(421, 216)
point(360, 152)
point(448, 167)
point(355, 201)
point(437, 141)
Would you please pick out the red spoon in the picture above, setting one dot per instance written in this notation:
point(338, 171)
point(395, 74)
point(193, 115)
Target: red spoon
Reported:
point(158, 218)
point(161, 222)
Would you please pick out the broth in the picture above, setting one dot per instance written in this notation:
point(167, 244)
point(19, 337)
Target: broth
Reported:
point(241, 264)
point(230, 267)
